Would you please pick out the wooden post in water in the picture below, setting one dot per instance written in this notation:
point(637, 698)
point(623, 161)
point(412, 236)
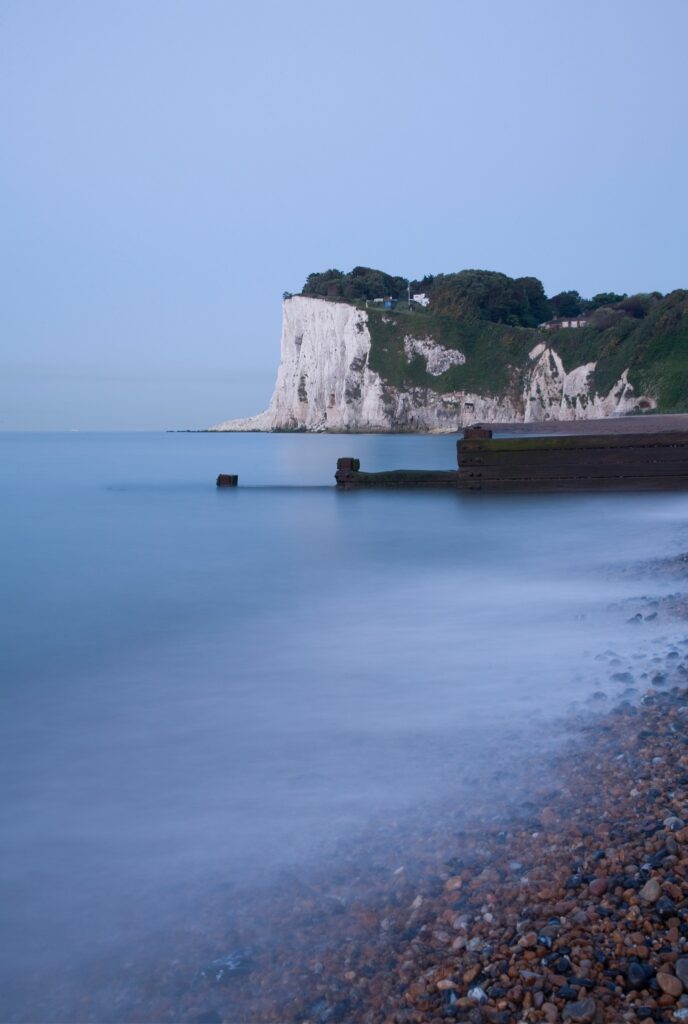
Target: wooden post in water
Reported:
point(227, 480)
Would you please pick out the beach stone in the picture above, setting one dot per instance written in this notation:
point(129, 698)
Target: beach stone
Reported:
point(651, 891)
point(582, 1010)
point(637, 975)
point(599, 886)
point(670, 984)
point(681, 968)
point(566, 991)
point(665, 907)
point(471, 974)
point(477, 994)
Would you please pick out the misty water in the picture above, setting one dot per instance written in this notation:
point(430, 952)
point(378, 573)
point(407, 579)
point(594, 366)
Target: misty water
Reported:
point(203, 686)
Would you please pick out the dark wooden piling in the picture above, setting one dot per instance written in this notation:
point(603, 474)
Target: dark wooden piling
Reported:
point(349, 477)
point(227, 480)
point(574, 462)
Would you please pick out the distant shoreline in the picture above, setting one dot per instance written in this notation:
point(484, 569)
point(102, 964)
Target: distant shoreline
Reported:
point(648, 423)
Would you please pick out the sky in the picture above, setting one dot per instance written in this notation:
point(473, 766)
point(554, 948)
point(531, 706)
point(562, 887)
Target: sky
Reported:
point(168, 169)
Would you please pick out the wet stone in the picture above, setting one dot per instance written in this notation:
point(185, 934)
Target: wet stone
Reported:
point(665, 907)
point(639, 975)
point(681, 968)
point(599, 886)
point(651, 891)
point(670, 984)
point(478, 994)
point(567, 992)
point(583, 1010)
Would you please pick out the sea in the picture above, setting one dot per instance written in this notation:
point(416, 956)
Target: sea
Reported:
point(203, 687)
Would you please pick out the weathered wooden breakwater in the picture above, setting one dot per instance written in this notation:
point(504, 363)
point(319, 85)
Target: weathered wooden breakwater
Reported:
point(349, 475)
point(577, 462)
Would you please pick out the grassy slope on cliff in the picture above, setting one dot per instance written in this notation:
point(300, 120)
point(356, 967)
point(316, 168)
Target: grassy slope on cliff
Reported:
point(495, 354)
point(653, 346)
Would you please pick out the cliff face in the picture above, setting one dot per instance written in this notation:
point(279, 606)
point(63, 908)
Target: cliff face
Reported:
point(325, 383)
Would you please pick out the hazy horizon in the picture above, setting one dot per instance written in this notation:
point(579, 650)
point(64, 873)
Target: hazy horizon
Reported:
point(169, 170)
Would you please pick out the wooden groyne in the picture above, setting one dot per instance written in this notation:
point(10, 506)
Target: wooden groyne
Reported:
point(577, 462)
point(574, 463)
point(350, 476)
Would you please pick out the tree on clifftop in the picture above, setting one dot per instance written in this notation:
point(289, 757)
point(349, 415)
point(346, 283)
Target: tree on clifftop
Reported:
point(360, 283)
point(489, 295)
point(567, 304)
point(604, 299)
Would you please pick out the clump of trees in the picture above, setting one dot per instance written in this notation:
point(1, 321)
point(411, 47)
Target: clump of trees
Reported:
point(485, 294)
point(360, 283)
point(607, 309)
point(488, 295)
point(481, 294)
point(572, 303)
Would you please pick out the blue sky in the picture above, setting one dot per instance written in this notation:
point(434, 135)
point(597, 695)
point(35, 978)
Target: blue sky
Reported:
point(169, 168)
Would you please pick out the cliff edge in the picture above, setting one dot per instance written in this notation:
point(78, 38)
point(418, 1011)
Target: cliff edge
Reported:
point(347, 368)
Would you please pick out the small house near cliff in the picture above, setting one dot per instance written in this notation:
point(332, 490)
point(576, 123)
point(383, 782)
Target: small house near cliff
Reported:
point(565, 321)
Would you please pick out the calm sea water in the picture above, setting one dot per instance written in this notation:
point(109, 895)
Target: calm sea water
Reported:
point(201, 685)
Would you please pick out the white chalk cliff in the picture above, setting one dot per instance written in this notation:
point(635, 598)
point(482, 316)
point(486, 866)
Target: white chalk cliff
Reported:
point(324, 383)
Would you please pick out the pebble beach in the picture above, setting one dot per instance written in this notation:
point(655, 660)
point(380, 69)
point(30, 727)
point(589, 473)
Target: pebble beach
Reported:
point(565, 899)
point(578, 913)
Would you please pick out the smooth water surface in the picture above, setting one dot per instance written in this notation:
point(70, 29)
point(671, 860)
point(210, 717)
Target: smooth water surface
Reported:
point(203, 684)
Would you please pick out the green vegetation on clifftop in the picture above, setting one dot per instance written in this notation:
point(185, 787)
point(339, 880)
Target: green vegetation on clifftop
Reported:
point(493, 320)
